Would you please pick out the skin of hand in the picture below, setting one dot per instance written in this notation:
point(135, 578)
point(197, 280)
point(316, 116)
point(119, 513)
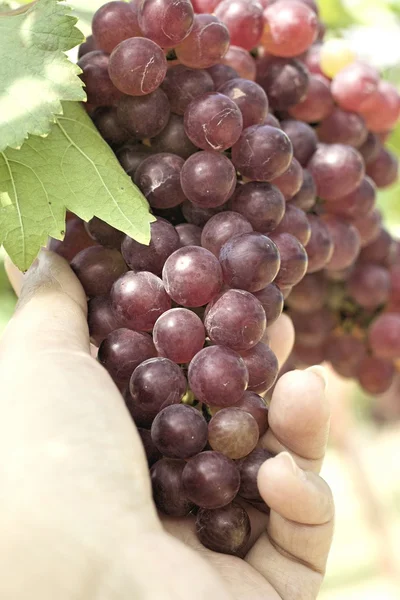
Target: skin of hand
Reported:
point(77, 517)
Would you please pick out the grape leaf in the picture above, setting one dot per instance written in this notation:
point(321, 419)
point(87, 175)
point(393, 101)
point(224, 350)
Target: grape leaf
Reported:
point(71, 168)
point(35, 73)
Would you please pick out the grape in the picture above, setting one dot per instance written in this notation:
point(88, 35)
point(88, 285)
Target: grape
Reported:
point(317, 104)
point(290, 28)
point(138, 299)
point(262, 366)
point(262, 153)
point(384, 336)
point(173, 139)
point(337, 170)
point(225, 529)
point(293, 259)
point(296, 223)
point(189, 235)
point(290, 181)
point(320, 245)
point(221, 74)
point(342, 127)
point(379, 251)
point(204, 6)
point(240, 60)
point(221, 228)
point(131, 155)
point(262, 204)
point(354, 85)
point(97, 268)
point(235, 319)
point(375, 375)
point(248, 468)
point(164, 241)
point(179, 335)
point(197, 215)
point(87, 46)
point(99, 88)
point(312, 59)
point(123, 350)
point(233, 432)
point(244, 20)
point(182, 85)
point(369, 150)
point(159, 178)
point(285, 80)
point(168, 494)
point(155, 384)
point(210, 480)
point(101, 319)
point(368, 226)
point(357, 204)
point(309, 355)
point(272, 302)
point(346, 242)
point(309, 294)
point(249, 261)
point(345, 353)
point(76, 239)
point(306, 196)
point(164, 22)
point(208, 179)
point(272, 121)
point(206, 45)
point(103, 233)
point(106, 121)
point(249, 97)
point(140, 417)
point(256, 406)
point(369, 285)
point(148, 60)
point(179, 431)
point(152, 454)
point(192, 276)
point(336, 54)
point(382, 109)
point(218, 376)
point(303, 137)
point(144, 116)
point(213, 122)
point(383, 169)
point(113, 23)
point(315, 328)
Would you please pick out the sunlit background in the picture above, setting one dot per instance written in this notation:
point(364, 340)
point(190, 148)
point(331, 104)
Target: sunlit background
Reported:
point(362, 464)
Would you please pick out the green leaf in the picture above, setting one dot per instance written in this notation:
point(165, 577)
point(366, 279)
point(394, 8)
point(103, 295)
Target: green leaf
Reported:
point(72, 168)
point(35, 73)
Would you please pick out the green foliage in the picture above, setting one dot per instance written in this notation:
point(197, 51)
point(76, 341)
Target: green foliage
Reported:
point(73, 168)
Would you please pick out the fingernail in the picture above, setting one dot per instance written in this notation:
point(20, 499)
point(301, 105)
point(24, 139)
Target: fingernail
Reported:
point(287, 460)
point(319, 371)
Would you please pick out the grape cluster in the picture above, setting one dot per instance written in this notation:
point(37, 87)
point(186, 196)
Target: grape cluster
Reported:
point(259, 149)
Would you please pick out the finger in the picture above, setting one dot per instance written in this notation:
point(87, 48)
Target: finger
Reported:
point(298, 416)
point(281, 335)
point(292, 552)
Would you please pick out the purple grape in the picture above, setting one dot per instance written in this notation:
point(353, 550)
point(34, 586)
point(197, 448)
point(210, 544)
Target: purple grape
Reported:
point(182, 85)
point(213, 122)
point(218, 376)
point(137, 66)
point(97, 268)
point(249, 261)
point(315, 328)
point(384, 336)
point(262, 153)
point(233, 432)
point(110, 128)
point(159, 178)
point(208, 179)
point(379, 251)
point(244, 20)
point(152, 454)
point(249, 97)
point(320, 245)
point(342, 127)
point(192, 276)
point(261, 203)
point(375, 375)
point(173, 139)
point(144, 117)
point(289, 183)
point(164, 22)
point(262, 366)
point(346, 243)
point(256, 406)
point(123, 350)
point(168, 494)
point(369, 285)
point(210, 480)
point(131, 155)
point(179, 335)
point(303, 137)
point(221, 228)
point(225, 529)
point(383, 169)
point(101, 319)
point(244, 64)
point(138, 299)
point(309, 294)
point(179, 431)
point(368, 226)
point(189, 235)
point(249, 468)
point(271, 299)
point(370, 148)
point(99, 88)
point(345, 354)
point(155, 384)
point(206, 45)
point(285, 81)
point(296, 223)
point(221, 73)
point(89, 45)
point(197, 215)
point(293, 259)
point(357, 204)
point(354, 85)
point(290, 28)
point(103, 233)
point(112, 23)
point(235, 319)
point(317, 104)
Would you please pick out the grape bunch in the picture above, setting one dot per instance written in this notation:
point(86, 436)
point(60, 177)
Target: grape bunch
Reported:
point(259, 148)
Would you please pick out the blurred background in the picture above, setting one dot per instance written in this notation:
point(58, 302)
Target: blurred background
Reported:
point(364, 451)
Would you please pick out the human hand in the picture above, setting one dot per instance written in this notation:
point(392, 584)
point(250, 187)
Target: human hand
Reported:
point(78, 519)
